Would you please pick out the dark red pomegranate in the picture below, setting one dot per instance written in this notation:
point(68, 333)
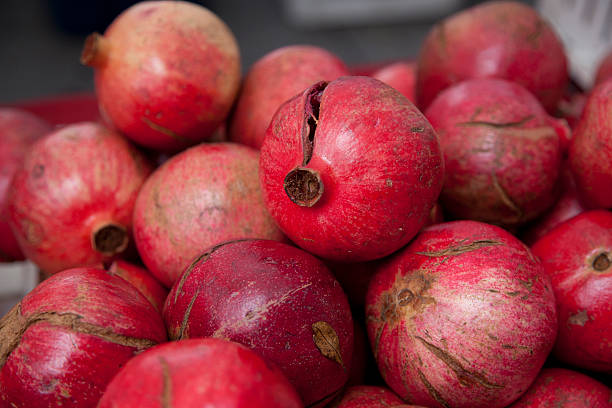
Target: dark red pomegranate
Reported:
point(166, 73)
point(502, 152)
point(62, 344)
point(400, 75)
point(201, 197)
point(71, 203)
point(561, 388)
point(350, 169)
point(275, 78)
point(18, 130)
point(142, 280)
point(497, 39)
point(199, 373)
point(590, 153)
point(464, 316)
point(369, 396)
point(276, 299)
point(577, 255)
point(565, 208)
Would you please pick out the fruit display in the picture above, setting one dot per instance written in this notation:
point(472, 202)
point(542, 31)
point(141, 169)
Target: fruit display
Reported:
point(433, 231)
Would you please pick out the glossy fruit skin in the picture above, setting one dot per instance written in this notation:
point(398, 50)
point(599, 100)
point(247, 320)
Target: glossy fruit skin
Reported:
point(400, 75)
point(368, 396)
point(272, 297)
point(590, 152)
point(501, 150)
point(166, 73)
point(497, 39)
point(274, 79)
point(205, 195)
point(171, 375)
point(562, 388)
point(378, 160)
point(571, 254)
point(464, 316)
point(18, 130)
point(142, 280)
point(74, 181)
point(66, 339)
point(568, 206)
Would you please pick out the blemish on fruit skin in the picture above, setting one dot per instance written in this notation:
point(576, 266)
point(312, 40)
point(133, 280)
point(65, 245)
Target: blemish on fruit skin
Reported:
point(580, 318)
point(388, 182)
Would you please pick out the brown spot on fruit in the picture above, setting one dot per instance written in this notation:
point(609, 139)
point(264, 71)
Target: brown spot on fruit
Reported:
point(432, 391)
point(601, 262)
point(326, 340)
point(166, 394)
point(579, 318)
point(303, 186)
point(461, 248)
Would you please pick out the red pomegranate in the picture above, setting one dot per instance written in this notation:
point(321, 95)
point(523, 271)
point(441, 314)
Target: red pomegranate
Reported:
point(502, 152)
point(350, 169)
point(65, 340)
point(203, 196)
point(400, 75)
point(561, 388)
point(604, 70)
point(278, 300)
point(18, 130)
point(199, 373)
point(142, 280)
point(166, 73)
point(565, 208)
point(464, 316)
point(497, 39)
point(275, 78)
point(577, 255)
point(71, 203)
point(369, 396)
point(590, 153)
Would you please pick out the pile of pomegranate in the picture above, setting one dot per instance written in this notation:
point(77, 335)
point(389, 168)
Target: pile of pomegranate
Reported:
point(219, 241)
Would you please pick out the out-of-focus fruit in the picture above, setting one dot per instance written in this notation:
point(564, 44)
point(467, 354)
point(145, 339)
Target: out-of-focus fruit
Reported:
point(400, 75)
point(142, 280)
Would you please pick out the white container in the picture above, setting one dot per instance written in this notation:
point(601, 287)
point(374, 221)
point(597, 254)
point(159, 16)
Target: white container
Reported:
point(16, 279)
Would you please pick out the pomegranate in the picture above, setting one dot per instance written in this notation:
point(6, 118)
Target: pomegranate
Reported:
point(18, 130)
point(350, 169)
point(577, 255)
point(464, 316)
point(561, 388)
point(66, 339)
point(502, 152)
point(604, 70)
point(71, 203)
point(166, 73)
point(497, 39)
point(275, 78)
point(354, 278)
point(277, 299)
point(171, 375)
point(590, 153)
point(203, 196)
point(369, 396)
point(142, 280)
point(400, 75)
point(566, 207)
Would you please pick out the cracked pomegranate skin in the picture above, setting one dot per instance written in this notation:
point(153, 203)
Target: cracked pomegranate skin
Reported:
point(497, 39)
point(276, 299)
point(200, 197)
point(77, 329)
point(166, 73)
point(577, 255)
point(198, 373)
point(142, 280)
point(462, 317)
point(590, 153)
point(372, 166)
point(502, 152)
point(275, 78)
point(77, 185)
point(18, 130)
point(562, 388)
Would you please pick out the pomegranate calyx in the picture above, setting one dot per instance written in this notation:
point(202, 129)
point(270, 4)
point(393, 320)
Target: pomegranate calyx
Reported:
point(602, 262)
point(95, 50)
point(110, 239)
point(303, 186)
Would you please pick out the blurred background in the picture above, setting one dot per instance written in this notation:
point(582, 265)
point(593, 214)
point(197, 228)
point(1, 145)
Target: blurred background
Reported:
point(41, 40)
